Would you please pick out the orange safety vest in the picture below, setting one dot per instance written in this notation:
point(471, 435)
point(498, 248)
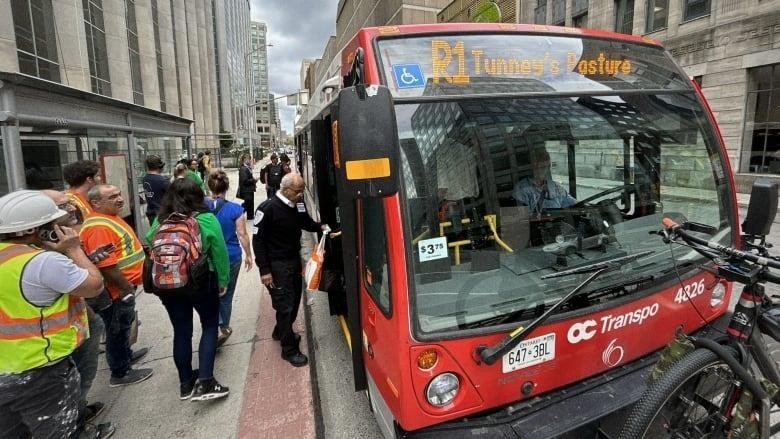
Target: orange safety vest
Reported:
point(81, 203)
point(128, 250)
point(32, 336)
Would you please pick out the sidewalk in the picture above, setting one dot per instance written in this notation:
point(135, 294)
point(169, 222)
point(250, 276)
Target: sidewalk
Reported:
point(268, 398)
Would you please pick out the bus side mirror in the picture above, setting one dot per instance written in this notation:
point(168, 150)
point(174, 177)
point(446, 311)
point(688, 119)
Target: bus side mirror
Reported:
point(367, 146)
point(762, 208)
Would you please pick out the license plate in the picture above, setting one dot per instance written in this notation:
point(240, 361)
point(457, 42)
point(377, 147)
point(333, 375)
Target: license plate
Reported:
point(530, 352)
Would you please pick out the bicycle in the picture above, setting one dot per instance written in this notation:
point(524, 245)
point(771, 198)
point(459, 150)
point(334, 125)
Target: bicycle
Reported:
point(726, 387)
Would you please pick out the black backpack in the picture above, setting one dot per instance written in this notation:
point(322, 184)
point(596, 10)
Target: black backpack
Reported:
point(274, 175)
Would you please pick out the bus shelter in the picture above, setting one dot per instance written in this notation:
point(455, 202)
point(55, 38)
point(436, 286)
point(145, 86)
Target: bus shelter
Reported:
point(45, 125)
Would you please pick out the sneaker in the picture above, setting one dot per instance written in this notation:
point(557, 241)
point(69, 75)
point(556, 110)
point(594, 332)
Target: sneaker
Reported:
point(131, 377)
point(185, 390)
point(92, 411)
point(138, 354)
point(208, 389)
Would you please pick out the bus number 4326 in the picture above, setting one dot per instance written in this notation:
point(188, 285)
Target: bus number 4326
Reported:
point(689, 291)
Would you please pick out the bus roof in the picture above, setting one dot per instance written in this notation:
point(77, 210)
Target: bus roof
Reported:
point(410, 29)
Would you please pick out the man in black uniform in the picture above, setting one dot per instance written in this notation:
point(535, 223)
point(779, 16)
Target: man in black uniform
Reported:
point(277, 244)
point(271, 175)
point(246, 186)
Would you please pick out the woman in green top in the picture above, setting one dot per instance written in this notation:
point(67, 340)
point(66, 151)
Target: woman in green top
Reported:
point(185, 197)
point(192, 173)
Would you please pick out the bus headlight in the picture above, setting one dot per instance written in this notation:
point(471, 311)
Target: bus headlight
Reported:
point(717, 294)
point(442, 389)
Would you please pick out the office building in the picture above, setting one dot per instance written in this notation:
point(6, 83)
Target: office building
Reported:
point(115, 80)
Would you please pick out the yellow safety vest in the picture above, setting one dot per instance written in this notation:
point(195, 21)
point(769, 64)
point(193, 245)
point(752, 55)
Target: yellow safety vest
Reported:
point(32, 336)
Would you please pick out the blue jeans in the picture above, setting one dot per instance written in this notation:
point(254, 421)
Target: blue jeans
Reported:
point(118, 319)
point(226, 301)
point(86, 355)
point(206, 302)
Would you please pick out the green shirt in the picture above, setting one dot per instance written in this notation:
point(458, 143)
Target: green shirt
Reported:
point(196, 178)
point(213, 245)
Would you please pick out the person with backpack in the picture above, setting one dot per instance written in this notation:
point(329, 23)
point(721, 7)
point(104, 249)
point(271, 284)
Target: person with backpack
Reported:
point(271, 176)
point(155, 185)
point(231, 218)
point(188, 268)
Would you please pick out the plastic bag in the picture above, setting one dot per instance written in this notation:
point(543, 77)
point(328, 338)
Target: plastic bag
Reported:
point(313, 269)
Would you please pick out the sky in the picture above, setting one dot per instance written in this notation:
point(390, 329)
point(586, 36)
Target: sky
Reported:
point(297, 29)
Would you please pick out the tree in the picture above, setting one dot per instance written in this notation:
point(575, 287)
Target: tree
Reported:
point(488, 12)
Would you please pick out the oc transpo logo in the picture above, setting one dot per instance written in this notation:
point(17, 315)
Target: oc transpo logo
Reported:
point(585, 330)
point(613, 354)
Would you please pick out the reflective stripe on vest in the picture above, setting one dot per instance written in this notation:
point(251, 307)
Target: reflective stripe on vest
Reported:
point(130, 249)
point(84, 207)
point(32, 336)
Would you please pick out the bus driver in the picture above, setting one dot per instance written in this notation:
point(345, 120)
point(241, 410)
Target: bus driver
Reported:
point(539, 191)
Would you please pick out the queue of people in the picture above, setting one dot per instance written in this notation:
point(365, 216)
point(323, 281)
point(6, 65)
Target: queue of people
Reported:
point(94, 264)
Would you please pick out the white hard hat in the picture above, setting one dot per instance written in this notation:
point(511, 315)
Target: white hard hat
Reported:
point(24, 210)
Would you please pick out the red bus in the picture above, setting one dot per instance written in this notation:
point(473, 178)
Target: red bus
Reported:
point(500, 188)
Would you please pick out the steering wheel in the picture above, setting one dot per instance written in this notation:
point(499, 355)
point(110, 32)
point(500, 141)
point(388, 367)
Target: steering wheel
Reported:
point(624, 187)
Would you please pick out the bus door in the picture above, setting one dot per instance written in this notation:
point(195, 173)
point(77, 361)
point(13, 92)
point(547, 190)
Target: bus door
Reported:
point(367, 179)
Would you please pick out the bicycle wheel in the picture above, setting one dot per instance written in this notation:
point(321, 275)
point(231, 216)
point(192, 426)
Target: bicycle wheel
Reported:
point(687, 401)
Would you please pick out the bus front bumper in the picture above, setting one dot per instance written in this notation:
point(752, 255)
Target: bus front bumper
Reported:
point(592, 408)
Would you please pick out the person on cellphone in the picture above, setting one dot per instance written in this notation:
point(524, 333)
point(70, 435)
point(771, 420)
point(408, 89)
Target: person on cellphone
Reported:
point(85, 356)
point(46, 275)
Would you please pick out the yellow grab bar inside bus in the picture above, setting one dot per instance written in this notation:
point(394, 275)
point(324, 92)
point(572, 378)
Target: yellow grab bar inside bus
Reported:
point(491, 222)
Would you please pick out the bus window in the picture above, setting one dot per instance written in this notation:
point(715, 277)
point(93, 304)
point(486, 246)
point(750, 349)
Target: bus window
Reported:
point(472, 235)
point(374, 253)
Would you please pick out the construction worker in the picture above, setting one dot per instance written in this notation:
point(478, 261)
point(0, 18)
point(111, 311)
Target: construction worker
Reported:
point(81, 176)
point(122, 270)
point(46, 275)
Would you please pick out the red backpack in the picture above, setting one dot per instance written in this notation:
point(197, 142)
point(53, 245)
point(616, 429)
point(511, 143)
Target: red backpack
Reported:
point(175, 263)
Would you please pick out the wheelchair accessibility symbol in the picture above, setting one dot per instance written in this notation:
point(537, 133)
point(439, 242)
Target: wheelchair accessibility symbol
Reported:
point(408, 75)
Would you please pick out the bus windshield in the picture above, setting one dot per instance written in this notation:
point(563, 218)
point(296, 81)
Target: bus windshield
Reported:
point(501, 190)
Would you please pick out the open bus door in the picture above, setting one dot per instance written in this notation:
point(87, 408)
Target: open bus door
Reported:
point(365, 162)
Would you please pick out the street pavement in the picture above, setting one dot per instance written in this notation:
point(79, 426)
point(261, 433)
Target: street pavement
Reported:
point(268, 398)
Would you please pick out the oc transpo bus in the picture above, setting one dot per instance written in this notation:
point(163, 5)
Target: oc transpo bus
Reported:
point(470, 311)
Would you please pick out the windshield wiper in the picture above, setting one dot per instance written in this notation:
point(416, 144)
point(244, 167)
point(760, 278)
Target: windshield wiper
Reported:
point(489, 354)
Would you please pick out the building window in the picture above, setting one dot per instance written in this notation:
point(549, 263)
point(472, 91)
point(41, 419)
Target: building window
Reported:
point(559, 12)
point(96, 46)
point(761, 144)
point(624, 16)
point(158, 53)
point(36, 42)
point(695, 9)
point(579, 13)
point(657, 13)
point(176, 59)
point(135, 56)
point(540, 12)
